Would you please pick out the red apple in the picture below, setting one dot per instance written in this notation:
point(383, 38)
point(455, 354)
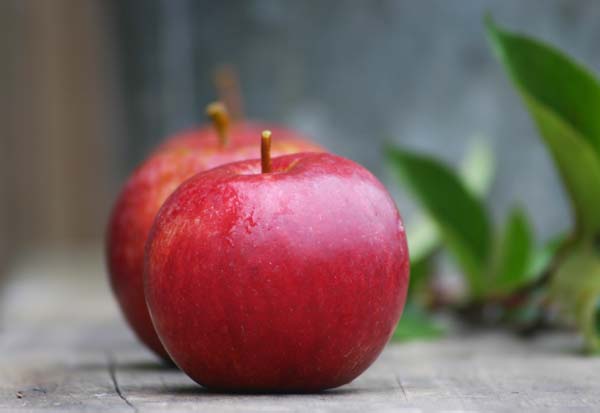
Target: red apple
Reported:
point(292, 279)
point(151, 183)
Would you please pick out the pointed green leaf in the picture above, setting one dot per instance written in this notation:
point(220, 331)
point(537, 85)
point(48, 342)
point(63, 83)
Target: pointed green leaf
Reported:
point(476, 172)
point(423, 238)
point(552, 79)
point(462, 219)
point(577, 164)
point(542, 257)
point(564, 100)
point(514, 254)
point(477, 168)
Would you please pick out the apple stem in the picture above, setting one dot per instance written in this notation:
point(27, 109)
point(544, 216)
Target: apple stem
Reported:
point(217, 112)
point(228, 89)
point(265, 152)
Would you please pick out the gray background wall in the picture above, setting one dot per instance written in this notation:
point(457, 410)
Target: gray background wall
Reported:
point(354, 73)
point(91, 85)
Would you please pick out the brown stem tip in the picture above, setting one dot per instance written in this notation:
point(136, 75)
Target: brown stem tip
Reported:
point(217, 112)
point(265, 152)
point(228, 89)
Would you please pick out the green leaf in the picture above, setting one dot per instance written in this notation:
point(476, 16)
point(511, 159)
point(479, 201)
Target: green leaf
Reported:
point(477, 168)
point(420, 269)
point(423, 238)
point(552, 79)
point(564, 100)
point(597, 317)
point(416, 325)
point(461, 217)
point(514, 254)
point(578, 167)
point(542, 257)
point(476, 172)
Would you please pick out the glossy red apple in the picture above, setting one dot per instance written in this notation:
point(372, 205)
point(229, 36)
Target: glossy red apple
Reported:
point(292, 279)
point(151, 183)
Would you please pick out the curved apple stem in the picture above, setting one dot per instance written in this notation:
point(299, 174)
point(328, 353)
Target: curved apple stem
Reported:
point(228, 89)
point(217, 112)
point(265, 152)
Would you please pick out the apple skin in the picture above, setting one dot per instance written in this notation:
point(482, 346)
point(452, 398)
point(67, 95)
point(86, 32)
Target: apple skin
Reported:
point(146, 189)
point(292, 280)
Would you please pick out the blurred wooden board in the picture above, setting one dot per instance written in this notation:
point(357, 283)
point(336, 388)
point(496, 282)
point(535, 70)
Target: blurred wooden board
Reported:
point(76, 354)
point(78, 367)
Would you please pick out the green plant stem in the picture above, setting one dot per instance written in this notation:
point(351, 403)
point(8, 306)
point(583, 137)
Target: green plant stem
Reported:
point(576, 288)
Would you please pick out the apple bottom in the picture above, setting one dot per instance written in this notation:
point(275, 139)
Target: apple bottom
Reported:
point(305, 335)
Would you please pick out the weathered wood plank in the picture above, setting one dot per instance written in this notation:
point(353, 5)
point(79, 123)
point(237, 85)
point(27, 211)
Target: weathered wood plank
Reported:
point(63, 348)
point(45, 368)
point(101, 367)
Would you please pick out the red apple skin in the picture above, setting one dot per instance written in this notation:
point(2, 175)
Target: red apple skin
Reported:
point(287, 281)
point(150, 184)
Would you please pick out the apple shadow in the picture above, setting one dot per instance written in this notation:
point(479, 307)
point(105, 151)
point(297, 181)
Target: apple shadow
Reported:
point(147, 366)
point(130, 366)
point(191, 390)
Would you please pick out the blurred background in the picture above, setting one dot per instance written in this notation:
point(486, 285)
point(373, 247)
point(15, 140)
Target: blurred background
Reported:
point(88, 87)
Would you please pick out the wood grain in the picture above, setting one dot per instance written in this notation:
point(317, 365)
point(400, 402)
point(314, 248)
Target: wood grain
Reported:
point(100, 367)
point(72, 352)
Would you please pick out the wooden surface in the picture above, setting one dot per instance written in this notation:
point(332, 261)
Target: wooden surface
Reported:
point(63, 347)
